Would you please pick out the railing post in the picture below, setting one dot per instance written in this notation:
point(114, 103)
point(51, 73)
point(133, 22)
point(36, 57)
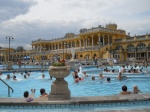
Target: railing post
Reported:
point(8, 92)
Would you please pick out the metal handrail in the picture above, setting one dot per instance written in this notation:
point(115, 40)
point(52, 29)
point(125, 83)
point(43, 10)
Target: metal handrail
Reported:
point(8, 87)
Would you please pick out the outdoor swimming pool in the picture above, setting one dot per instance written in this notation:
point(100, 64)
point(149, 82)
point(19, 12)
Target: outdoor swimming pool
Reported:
point(87, 87)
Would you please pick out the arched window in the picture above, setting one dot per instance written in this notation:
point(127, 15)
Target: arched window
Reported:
point(141, 45)
point(130, 47)
point(117, 47)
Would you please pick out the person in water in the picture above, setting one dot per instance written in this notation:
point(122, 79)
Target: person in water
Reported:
point(120, 77)
point(101, 76)
point(14, 78)
point(93, 77)
point(124, 90)
point(136, 90)
point(76, 77)
point(25, 77)
point(43, 93)
point(43, 76)
point(85, 75)
point(8, 76)
point(108, 79)
point(30, 97)
point(0, 73)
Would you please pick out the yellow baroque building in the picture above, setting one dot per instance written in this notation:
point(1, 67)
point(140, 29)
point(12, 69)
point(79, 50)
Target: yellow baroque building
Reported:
point(14, 55)
point(96, 42)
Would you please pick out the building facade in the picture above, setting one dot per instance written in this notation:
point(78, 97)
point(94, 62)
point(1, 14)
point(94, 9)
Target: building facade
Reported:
point(88, 44)
point(96, 42)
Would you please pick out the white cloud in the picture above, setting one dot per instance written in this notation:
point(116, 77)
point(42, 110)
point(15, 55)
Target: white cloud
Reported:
point(53, 18)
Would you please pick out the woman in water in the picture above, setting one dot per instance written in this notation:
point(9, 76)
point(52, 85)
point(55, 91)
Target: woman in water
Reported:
point(135, 90)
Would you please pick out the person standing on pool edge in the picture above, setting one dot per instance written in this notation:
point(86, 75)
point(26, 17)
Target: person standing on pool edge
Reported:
point(19, 64)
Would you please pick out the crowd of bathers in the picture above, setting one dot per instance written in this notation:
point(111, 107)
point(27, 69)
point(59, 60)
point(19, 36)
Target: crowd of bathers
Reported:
point(120, 76)
point(30, 97)
point(24, 75)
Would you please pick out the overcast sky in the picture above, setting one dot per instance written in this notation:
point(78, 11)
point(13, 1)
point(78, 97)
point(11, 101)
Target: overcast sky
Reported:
point(28, 20)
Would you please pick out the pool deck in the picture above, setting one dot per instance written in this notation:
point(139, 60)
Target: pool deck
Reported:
point(118, 100)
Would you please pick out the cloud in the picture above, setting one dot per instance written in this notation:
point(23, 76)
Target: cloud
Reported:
point(50, 19)
point(9, 9)
point(26, 32)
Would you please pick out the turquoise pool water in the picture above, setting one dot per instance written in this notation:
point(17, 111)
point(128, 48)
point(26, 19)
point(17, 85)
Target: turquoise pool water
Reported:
point(87, 87)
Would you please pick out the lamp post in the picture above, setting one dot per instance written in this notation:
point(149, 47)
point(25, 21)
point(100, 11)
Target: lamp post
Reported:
point(9, 38)
point(99, 43)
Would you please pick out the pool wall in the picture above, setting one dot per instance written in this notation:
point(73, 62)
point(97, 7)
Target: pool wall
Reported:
point(116, 102)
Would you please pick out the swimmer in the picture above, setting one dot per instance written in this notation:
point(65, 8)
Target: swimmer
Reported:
point(43, 93)
point(0, 73)
point(108, 79)
point(101, 76)
point(14, 78)
point(43, 76)
point(120, 77)
point(8, 76)
point(25, 77)
point(124, 90)
point(85, 74)
point(93, 78)
point(135, 90)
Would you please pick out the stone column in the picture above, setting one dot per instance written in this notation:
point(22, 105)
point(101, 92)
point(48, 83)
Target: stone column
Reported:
point(61, 45)
point(83, 42)
point(55, 46)
point(49, 47)
point(92, 41)
point(135, 53)
point(80, 43)
point(98, 37)
point(147, 54)
point(75, 44)
point(108, 40)
point(71, 45)
point(103, 40)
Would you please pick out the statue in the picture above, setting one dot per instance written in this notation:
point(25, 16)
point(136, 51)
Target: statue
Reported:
point(73, 53)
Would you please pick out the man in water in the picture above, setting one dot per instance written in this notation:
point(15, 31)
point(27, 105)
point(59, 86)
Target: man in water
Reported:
point(124, 90)
point(43, 93)
point(8, 76)
point(14, 78)
point(120, 77)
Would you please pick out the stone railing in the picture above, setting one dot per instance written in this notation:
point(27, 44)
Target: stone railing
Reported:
point(129, 39)
point(83, 31)
point(53, 40)
point(68, 50)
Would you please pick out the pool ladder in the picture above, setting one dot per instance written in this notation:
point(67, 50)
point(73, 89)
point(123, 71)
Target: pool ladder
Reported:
point(8, 87)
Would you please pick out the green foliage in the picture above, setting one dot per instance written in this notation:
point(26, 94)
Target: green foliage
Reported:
point(59, 64)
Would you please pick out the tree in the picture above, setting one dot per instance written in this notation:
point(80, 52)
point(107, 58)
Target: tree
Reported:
point(20, 48)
